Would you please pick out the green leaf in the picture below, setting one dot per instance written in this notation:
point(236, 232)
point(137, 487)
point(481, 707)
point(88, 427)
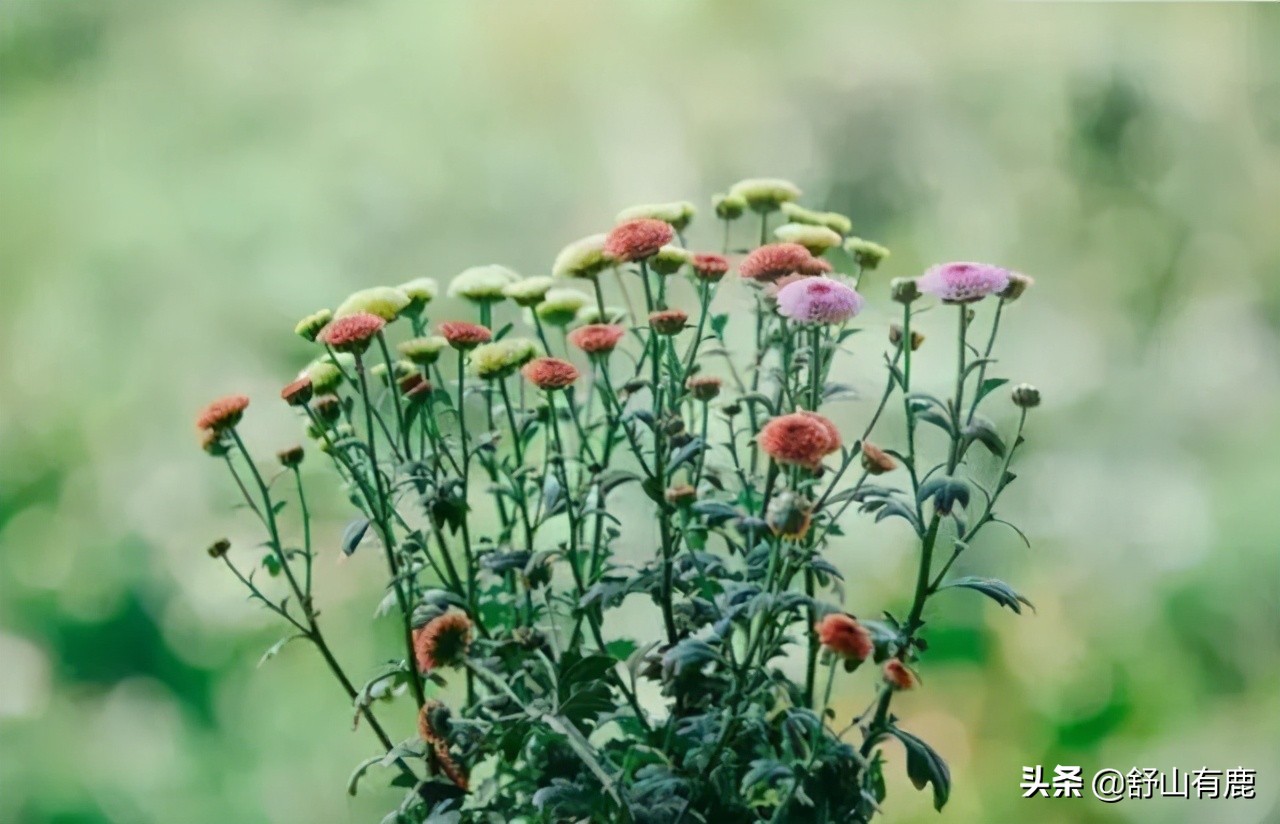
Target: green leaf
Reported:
point(715, 513)
point(718, 324)
point(993, 588)
point(685, 453)
point(925, 766)
point(360, 770)
point(275, 648)
point(985, 433)
point(990, 385)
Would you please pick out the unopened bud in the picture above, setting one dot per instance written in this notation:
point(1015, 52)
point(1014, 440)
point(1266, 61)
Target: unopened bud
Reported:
point(1026, 396)
point(904, 290)
point(1018, 283)
point(219, 548)
point(291, 457)
point(681, 495)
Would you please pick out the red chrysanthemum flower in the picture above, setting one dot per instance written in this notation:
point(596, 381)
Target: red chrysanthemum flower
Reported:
point(710, 267)
point(817, 266)
point(550, 373)
point(638, 239)
point(443, 641)
point(415, 386)
point(297, 392)
point(597, 338)
point(668, 321)
point(775, 260)
point(463, 335)
point(352, 333)
point(223, 413)
point(703, 387)
point(800, 438)
point(844, 636)
point(899, 676)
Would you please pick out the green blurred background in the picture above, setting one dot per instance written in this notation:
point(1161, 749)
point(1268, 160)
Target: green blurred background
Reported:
point(182, 180)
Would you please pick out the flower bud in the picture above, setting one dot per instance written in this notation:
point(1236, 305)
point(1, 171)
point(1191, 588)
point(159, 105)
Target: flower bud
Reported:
point(298, 392)
point(1026, 396)
point(219, 548)
point(669, 260)
point(703, 387)
point(844, 636)
point(868, 255)
point(904, 290)
point(789, 516)
point(328, 408)
point(729, 207)
point(895, 337)
point(898, 675)
point(681, 495)
point(668, 321)
point(875, 461)
point(1018, 283)
point(291, 457)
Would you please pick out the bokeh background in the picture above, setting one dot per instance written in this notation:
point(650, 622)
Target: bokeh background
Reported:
point(182, 180)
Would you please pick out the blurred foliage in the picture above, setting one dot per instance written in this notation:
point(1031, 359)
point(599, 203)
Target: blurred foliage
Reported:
point(183, 180)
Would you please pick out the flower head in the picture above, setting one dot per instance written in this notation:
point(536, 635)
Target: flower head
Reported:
point(765, 194)
point(222, 414)
point(328, 408)
point(529, 291)
point(1018, 284)
point(311, 325)
point(482, 284)
point(415, 387)
point(326, 372)
point(729, 206)
point(290, 458)
point(868, 255)
point(772, 261)
point(678, 214)
point(584, 258)
point(420, 292)
point(423, 351)
point(904, 290)
point(297, 392)
point(963, 282)
point(597, 338)
point(681, 494)
point(444, 641)
point(799, 438)
point(638, 239)
point(710, 267)
point(703, 387)
point(844, 636)
point(499, 359)
point(352, 333)
point(559, 307)
point(590, 314)
point(875, 460)
point(550, 374)
point(834, 221)
point(670, 259)
point(668, 321)
point(899, 676)
point(817, 239)
point(1026, 396)
point(219, 548)
point(383, 301)
point(818, 300)
point(463, 336)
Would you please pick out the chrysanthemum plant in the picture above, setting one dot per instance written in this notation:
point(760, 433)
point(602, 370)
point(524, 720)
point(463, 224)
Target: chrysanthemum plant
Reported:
point(560, 671)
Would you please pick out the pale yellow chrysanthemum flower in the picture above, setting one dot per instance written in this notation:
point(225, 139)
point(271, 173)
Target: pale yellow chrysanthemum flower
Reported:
point(729, 206)
point(834, 221)
point(482, 284)
point(584, 258)
point(325, 373)
point(310, 326)
point(669, 259)
point(501, 358)
point(560, 306)
point(530, 291)
point(420, 291)
point(423, 351)
point(765, 194)
point(679, 214)
point(384, 301)
point(591, 314)
point(867, 254)
point(817, 239)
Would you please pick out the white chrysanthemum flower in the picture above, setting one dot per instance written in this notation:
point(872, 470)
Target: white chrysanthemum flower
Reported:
point(384, 301)
point(421, 291)
point(679, 214)
point(584, 258)
point(501, 358)
point(560, 306)
point(482, 284)
point(765, 194)
point(669, 259)
point(834, 221)
point(423, 351)
point(590, 314)
point(817, 239)
point(529, 291)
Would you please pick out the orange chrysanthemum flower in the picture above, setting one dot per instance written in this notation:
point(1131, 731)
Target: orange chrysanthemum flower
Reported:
point(844, 636)
point(638, 239)
point(222, 414)
point(875, 461)
point(800, 438)
point(899, 676)
point(443, 641)
point(710, 267)
point(352, 333)
point(463, 335)
point(775, 260)
point(597, 338)
point(550, 373)
point(297, 392)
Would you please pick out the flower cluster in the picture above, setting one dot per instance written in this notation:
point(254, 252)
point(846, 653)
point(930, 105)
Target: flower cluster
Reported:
point(498, 440)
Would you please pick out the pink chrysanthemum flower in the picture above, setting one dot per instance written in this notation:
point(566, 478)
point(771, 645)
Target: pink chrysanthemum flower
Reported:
point(710, 267)
point(963, 282)
point(668, 321)
point(817, 266)
point(597, 338)
point(223, 413)
point(844, 636)
point(800, 438)
point(550, 374)
point(818, 300)
point(352, 333)
point(463, 335)
point(775, 260)
point(638, 239)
